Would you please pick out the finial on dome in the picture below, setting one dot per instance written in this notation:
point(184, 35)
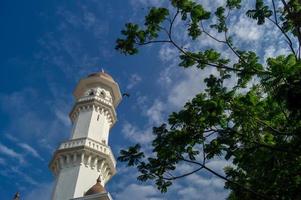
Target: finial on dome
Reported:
point(98, 180)
point(17, 196)
point(97, 188)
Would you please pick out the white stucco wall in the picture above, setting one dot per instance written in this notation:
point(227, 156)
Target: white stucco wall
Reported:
point(65, 183)
point(74, 181)
point(86, 179)
point(99, 129)
point(81, 125)
point(92, 124)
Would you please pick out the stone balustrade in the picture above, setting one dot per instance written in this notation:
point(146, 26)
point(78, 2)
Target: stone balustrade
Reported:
point(88, 98)
point(87, 142)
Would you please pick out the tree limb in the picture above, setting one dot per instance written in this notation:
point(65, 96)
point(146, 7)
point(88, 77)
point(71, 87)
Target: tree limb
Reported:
point(289, 41)
point(226, 179)
point(172, 22)
point(183, 175)
point(154, 41)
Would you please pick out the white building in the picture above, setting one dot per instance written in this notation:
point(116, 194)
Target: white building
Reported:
point(85, 163)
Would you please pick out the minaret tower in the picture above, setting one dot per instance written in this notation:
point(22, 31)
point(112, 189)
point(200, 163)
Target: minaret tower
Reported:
point(86, 158)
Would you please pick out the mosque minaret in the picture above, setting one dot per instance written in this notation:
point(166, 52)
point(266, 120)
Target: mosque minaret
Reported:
point(85, 163)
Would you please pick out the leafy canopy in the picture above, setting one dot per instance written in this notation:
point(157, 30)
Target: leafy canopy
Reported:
point(258, 130)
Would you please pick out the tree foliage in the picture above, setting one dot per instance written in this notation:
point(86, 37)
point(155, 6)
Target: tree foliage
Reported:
point(258, 130)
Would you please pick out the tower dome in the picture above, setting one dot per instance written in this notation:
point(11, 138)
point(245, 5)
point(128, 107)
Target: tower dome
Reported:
point(101, 74)
point(95, 189)
point(99, 79)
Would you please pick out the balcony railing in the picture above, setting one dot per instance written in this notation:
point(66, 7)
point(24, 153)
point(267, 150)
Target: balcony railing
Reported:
point(87, 98)
point(87, 142)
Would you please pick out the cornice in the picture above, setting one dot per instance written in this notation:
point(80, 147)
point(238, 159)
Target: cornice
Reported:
point(97, 104)
point(84, 151)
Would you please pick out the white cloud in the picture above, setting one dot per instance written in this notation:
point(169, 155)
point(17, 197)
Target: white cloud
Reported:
point(63, 117)
point(204, 181)
point(135, 134)
point(211, 5)
point(187, 87)
point(42, 191)
point(24, 176)
point(141, 101)
point(29, 122)
point(11, 138)
point(273, 51)
point(195, 193)
point(218, 165)
point(155, 113)
point(133, 81)
point(11, 153)
point(24, 146)
point(148, 3)
point(141, 192)
point(167, 53)
point(76, 45)
point(2, 161)
point(247, 30)
point(30, 150)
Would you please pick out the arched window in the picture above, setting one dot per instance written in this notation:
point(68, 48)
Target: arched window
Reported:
point(91, 93)
point(102, 93)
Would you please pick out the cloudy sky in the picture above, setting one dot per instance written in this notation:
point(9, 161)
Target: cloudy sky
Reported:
point(47, 46)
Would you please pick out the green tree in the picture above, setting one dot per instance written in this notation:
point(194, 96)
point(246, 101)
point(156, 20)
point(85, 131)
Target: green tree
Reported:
point(258, 130)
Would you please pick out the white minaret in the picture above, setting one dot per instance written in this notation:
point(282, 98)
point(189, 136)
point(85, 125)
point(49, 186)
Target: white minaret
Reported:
point(86, 156)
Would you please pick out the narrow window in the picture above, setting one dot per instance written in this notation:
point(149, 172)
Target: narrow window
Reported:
point(102, 93)
point(97, 117)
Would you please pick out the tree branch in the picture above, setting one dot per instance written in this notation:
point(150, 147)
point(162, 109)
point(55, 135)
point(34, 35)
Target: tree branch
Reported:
point(258, 144)
point(228, 43)
point(298, 29)
point(183, 175)
point(289, 41)
point(268, 126)
point(206, 63)
point(172, 22)
point(211, 36)
point(225, 178)
point(154, 41)
point(275, 14)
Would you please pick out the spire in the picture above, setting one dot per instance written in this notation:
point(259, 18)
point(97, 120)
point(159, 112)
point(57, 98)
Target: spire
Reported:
point(17, 196)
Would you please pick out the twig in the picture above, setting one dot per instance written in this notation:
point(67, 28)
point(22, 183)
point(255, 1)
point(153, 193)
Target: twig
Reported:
point(226, 179)
point(154, 41)
point(290, 43)
point(183, 175)
point(275, 14)
point(206, 63)
point(172, 22)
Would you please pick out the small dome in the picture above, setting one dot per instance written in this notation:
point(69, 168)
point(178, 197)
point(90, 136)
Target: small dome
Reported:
point(95, 189)
point(101, 74)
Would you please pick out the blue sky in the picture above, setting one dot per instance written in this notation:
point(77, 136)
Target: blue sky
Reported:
point(47, 46)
